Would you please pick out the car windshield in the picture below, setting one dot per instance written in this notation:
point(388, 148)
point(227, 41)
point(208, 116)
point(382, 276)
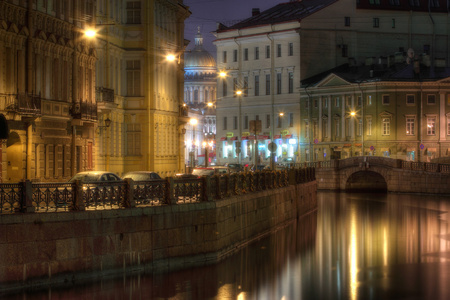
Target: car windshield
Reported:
point(203, 172)
point(86, 177)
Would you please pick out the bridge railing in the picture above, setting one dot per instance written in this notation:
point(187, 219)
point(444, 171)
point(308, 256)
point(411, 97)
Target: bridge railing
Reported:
point(31, 197)
point(381, 161)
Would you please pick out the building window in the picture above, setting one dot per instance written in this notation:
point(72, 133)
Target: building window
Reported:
point(256, 85)
point(359, 132)
point(134, 12)
point(325, 102)
point(369, 100)
point(291, 119)
point(245, 122)
point(448, 126)
point(246, 54)
point(324, 128)
point(336, 128)
point(316, 103)
point(267, 121)
point(224, 88)
point(267, 84)
point(410, 100)
point(386, 123)
point(245, 88)
point(195, 96)
point(336, 102)
point(344, 49)
point(306, 129)
point(224, 56)
point(307, 104)
point(385, 100)
point(225, 120)
point(410, 126)
point(431, 125)
point(431, 99)
point(279, 121)
point(376, 22)
point(278, 50)
point(235, 87)
point(235, 123)
point(133, 139)
point(348, 101)
point(267, 51)
point(133, 78)
point(393, 23)
point(359, 101)
point(235, 56)
point(291, 82)
point(315, 129)
point(256, 53)
point(291, 49)
point(347, 21)
point(278, 83)
point(369, 126)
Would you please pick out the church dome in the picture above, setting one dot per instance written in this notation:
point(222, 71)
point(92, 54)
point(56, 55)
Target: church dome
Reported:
point(198, 57)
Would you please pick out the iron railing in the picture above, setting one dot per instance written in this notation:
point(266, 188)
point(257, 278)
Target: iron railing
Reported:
point(22, 103)
point(54, 197)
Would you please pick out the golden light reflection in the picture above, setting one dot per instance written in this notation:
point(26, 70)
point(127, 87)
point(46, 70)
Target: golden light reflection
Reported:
point(385, 247)
point(353, 256)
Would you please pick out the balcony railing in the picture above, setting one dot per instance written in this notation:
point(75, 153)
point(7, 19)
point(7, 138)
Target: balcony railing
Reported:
point(104, 95)
point(84, 111)
point(22, 103)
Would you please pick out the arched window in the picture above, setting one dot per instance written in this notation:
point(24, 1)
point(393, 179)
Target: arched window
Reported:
point(195, 96)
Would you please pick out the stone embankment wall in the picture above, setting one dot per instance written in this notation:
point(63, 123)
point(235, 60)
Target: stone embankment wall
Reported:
point(56, 248)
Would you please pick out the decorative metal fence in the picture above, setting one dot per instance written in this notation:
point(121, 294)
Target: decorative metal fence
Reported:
point(55, 197)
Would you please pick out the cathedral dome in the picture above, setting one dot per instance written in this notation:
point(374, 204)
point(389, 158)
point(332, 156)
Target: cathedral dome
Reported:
point(198, 57)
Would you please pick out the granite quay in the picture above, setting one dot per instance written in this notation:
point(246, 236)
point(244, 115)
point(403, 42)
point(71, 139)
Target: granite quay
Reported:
point(95, 231)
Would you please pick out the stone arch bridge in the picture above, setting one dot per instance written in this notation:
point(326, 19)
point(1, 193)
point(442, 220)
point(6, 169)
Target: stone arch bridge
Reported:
point(382, 174)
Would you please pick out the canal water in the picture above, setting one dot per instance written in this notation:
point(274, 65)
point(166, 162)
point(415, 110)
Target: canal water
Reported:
point(355, 246)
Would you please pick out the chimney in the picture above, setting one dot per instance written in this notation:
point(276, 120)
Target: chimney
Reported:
point(255, 11)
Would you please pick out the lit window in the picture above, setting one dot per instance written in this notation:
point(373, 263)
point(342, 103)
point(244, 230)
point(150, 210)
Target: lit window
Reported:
point(431, 126)
point(386, 123)
point(410, 124)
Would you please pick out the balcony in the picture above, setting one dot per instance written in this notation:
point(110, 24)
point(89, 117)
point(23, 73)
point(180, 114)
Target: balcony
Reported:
point(84, 111)
point(22, 104)
point(104, 95)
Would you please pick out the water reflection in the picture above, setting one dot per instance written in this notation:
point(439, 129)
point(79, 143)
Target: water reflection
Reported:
point(356, 246)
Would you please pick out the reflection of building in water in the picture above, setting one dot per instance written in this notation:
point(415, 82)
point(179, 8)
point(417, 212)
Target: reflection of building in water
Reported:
point(357, 239)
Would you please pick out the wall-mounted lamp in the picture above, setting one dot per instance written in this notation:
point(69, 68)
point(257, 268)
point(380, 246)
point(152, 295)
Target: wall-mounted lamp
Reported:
point(107, 124)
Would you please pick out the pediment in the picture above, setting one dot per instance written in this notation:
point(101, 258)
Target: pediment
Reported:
point(24, 31)
point(42, 35)
point(332, 80)
point(13, 28)
point(3, 24)
point(52, 38)
point(386, 114)
point(444, 80)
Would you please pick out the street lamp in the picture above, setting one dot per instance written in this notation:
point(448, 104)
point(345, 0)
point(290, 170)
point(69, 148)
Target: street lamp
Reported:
point(239, 150)
point(353, 114)
point(193, 122)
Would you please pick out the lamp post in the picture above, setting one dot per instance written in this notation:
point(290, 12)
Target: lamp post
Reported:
point(193, 122)
point(239, 150)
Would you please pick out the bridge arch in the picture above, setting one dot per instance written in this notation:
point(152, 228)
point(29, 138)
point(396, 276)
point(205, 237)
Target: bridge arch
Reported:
point(365, 180)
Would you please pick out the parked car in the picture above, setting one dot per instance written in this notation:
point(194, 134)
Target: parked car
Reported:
point(95, 176)
point(142, 176)
point(185, 176)
point(215, 170)
point(234, 168)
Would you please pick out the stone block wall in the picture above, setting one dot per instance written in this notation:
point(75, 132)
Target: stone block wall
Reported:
point(57, 248)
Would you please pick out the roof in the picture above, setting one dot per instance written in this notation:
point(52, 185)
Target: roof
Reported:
point(283, 12)
point(395, 72)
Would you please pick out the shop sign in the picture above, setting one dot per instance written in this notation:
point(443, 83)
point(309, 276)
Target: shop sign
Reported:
point(229, 134)
point(234, 138)
point(251, 137)
point(284, 132)
point(288, 136)
point(263, 137)
point(277, 136)
point(245, 138)
point(245, 133)
point(223, 138)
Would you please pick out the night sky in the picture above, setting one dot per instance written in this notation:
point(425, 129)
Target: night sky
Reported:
point(206, 13)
